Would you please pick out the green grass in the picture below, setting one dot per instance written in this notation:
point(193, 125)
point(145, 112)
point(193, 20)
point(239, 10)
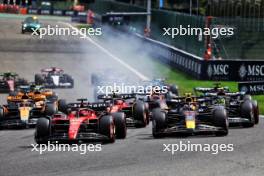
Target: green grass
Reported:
point(187, 83)
point(87, 26)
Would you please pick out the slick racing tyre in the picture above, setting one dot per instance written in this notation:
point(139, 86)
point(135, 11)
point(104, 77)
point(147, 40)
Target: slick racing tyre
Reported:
point(39, 79)
point(1, 112)
point(256, 111)
point(220, 119)
point(42, 131)
point(247, 112)
point(107, 128)
point(120, 125)
point(140, 114)
point(62, 105)
point(158, 122)
point(147, 112)
point(50, 109)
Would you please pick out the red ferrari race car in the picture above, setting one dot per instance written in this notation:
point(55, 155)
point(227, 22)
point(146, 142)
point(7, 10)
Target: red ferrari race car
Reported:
point(9, 81)
point(83, 122)
point(54, 78)
point(135, 110)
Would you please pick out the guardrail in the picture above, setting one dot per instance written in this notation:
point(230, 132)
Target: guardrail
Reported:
point(197, 67)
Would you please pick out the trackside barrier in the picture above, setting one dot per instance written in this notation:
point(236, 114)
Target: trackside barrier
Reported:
point(197, 67)
point(4, 8)
point(217, 70)
point(253, 88)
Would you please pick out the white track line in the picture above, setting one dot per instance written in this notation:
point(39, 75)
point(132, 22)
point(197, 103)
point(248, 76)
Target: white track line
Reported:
point(136, 72)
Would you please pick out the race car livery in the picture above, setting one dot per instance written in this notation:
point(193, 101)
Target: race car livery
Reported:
point(241, 108)
point(54, 78)
point(134, 109)
point(189, 115)
point(9, 81)
point(81, 123)
point(24, 111)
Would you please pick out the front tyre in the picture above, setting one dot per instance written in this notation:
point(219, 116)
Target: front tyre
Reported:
point(107, 128)
point(220, 120)
point(158, 123)
point(120, 125)
point(42, 132)
point(140, 114)
point(247, 112)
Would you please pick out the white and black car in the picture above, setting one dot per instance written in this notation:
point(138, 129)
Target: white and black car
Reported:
point(54, 78)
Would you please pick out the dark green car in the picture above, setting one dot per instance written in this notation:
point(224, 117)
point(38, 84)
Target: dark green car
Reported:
point(30, 24)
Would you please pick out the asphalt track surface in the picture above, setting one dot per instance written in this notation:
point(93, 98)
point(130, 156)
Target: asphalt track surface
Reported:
point(139, 153)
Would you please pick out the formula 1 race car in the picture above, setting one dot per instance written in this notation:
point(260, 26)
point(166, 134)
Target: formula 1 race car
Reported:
point(30, 24)
point(34, 92)
point(9, 81)
point(54, 78)
point(82, 123)
point(23, 111)
point(241, 108)
point(189, 115)
point(135, 110)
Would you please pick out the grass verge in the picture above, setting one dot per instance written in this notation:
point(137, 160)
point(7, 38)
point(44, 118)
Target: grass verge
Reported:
point(187, 83)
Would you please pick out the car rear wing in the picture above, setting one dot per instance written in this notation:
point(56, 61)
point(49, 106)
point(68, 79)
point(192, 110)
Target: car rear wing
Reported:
point(96, 106)
point(46, 70)
point(99, 106)
point(115, 96)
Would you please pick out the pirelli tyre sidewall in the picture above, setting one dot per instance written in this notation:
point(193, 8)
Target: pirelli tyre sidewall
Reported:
point(43, 129)
point(256, 111)
point(139, 114)
point(1, 112)
point(247, 112)
point(107, 128)
point(158, 122)
point(120, 125)
point(220, 119)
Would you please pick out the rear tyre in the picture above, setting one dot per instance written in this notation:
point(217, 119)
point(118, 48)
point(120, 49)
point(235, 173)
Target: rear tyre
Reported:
point(247, 112)
point(39, 79)
point(220, 120)
point(42, 132)
point(140, 114)
point(62, 105)
point(158, 123)
point(50, 108)
point(120, 125)
point(1, 112)
point(256, 111)
point(107, 128)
